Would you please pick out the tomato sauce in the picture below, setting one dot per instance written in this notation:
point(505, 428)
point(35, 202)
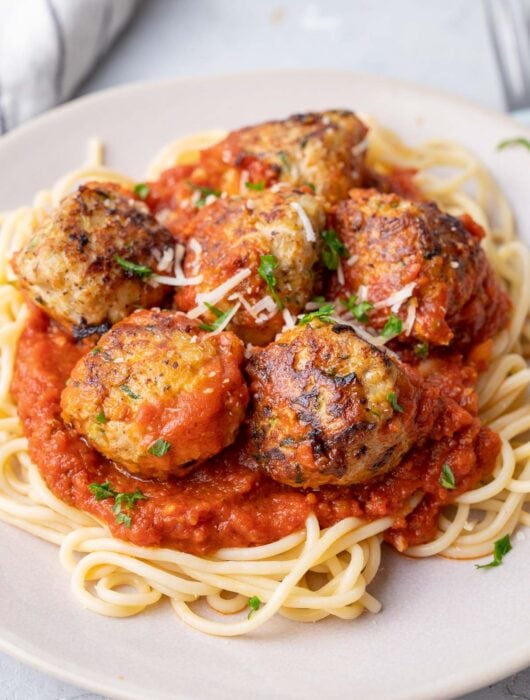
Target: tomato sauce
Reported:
point(224, 503)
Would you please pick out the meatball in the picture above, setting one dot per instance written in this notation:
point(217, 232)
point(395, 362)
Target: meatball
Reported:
point(157, 395)
point(275, 232)
point(324, 150)
point(328, 408)
point(90, 263)
point(425, 266)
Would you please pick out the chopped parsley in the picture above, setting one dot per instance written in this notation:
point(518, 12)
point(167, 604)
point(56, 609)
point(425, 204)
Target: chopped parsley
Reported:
point(254, 604)
point(142, 190)
point(447, 478)
point(311, 186)
point(205, 192)
point(517, 141)
point(392, 327)
point(268, 264)
point(358, 309)
point(220, 318)
point(500, 549)
point(127, 390)
point(134, 268)
point(159, 448)
point(256, 186)
point(334, 249)
point(323, 314)
point(319, 299)
point(95, 351)
point(121, 500)
point(392, 400)
point(101, 417)
point(422, 350)
point(285, 160)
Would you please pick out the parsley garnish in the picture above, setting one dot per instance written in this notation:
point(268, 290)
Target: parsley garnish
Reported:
point(256, 186)
point(254, 604)
point(101, 417)
point(334, 249)
point(319, 299)
point(221, 317)
point(392, 400)
point(159, 448)
point(205, 193)
point(139, 270)
point(422, 350)
point(285, 160)
point(121, 500)
point(447, 478)
point(95, 351)
point(269, 263)
point(311, 186)
point(142, 190)
point(517, 141)
point(392, 327)
point(500, 549)
point(358, 309)
point(127, 390)
point(323, 314)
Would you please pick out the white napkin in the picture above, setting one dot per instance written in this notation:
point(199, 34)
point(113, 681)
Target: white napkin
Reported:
point(47, 47)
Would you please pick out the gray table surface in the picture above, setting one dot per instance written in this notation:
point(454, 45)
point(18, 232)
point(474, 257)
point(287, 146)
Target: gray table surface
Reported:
point(440, 44)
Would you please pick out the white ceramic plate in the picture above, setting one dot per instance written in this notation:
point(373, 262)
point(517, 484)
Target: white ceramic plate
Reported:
point(445, 628)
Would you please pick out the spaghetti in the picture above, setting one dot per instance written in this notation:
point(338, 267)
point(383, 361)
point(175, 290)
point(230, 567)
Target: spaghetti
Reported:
point(311, 574)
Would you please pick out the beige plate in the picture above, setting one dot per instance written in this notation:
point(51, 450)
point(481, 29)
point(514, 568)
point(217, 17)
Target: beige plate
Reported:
point(445, 628)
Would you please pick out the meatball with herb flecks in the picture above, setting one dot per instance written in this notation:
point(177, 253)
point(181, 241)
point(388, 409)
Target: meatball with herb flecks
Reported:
point(419, 270)
point(157, 394)
point(328, 407)
point(91, 262)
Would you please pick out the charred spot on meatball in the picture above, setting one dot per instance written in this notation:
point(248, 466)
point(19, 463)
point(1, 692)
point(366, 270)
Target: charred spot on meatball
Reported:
point(157, 395)
point(328, 408)
point(427, 265)
point(89, 265)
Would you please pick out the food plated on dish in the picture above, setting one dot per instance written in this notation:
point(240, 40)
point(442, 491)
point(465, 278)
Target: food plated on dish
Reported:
point(233, 381)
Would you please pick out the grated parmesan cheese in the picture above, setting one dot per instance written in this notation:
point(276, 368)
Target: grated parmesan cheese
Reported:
point(215, 295)
point(288, 318)
point(411, 317)
point(455, 264)
point(306, 223)
point(352, 260)
point(179, 280)
point(396, 299)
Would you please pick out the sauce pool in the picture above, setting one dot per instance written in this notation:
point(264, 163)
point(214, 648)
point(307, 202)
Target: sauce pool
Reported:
point(223, 503)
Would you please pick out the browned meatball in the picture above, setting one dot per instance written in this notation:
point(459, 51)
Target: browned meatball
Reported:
point(324, 150)
point(157, 395)
point(71, 265)
point(423, 265)
point(328, 408)
point(275, 231)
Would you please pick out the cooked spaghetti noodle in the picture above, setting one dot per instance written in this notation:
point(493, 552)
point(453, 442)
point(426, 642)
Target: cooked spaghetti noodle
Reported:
point(315, 573)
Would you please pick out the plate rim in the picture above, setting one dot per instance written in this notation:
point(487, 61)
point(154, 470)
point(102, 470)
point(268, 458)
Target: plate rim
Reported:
point(18, 648)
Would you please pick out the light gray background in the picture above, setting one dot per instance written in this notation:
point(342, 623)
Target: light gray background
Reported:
point(439, 44)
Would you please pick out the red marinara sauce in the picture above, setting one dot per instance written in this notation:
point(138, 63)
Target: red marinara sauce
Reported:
point(223, 503)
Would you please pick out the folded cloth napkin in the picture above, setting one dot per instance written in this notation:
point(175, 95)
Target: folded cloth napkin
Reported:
point(47, 47)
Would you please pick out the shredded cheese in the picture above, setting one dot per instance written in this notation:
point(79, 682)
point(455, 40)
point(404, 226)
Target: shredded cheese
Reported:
point(288, 318)
point(352, 260)
point(306, 223)
point(411, 317)
point(396, 299)
point(215, 295)
point(179, 280)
